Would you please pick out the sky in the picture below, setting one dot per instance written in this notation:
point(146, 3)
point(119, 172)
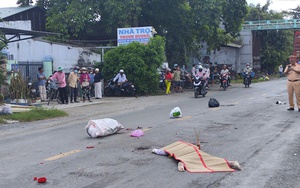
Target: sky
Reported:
point(278, 5)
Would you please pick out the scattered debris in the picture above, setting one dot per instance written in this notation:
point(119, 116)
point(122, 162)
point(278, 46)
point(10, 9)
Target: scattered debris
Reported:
point(41, 163)
point(175, 113)
point(212, 103)
point(295, 154)
point(198, 138)
point(137, 133)
point(35, 178)
point(129, 129)
point(42, 180)
point(139, 127)
point(103, 127)
point(279, 102)
point(90, 147)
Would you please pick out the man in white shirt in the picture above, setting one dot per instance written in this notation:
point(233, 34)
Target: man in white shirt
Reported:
point(121, 77)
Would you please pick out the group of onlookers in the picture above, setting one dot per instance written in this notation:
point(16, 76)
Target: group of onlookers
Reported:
point(79, 78)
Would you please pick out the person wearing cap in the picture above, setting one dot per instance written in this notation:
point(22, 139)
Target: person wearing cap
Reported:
point(73, 84)
point(168, 81)
point(41, 83)
point(60, 78)
point(293, 85)
point(85, 84)
point(225, 71)
point(121, 78)
point(98, 83)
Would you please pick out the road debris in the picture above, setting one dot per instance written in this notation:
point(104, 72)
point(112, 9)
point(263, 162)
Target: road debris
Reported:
point(41, 180)
point(279, 102)
point(212, 103)
point(137, 133)
point(103, 127)
point(181, 167)
point(175, 113)
point(90, 147)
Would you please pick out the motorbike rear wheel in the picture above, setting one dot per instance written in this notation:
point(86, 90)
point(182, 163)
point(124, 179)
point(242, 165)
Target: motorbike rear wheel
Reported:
point(131, 91)
point(196, 92)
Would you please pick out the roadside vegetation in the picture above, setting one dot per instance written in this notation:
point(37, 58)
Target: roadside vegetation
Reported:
point(34, 114)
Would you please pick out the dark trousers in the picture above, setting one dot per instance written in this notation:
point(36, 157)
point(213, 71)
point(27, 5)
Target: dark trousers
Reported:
point(63, 94)
point(86, 92)
point(73, 94)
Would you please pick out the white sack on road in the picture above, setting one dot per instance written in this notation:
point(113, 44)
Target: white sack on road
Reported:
point(102, 127)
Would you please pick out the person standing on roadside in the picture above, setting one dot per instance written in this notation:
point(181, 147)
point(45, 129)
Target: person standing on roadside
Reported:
point(168, 81)
point(60, 78)
point(194, 70)
point(85, 84)
point(73, 84)
point(293, 85)
point(177, 76)
point(41, 83)
point(98, 83)
point(280, 69)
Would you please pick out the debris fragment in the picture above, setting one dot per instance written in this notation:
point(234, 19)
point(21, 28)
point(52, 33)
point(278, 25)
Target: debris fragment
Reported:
point(42, 180)
point(137, 133)
point(90, 147)
point(279, 102)
point(35, 178)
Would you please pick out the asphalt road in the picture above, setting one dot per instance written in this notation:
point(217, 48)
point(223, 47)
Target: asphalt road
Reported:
point(248, 127)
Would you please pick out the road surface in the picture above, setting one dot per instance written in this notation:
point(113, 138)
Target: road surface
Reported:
point(248, 127)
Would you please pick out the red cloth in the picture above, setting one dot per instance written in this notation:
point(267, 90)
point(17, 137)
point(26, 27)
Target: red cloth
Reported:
point(168, 76)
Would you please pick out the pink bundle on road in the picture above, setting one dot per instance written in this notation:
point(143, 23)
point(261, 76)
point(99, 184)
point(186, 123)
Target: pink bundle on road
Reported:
point(137, 133)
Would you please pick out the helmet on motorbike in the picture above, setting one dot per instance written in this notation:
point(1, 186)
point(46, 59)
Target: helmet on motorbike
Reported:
point(247, 64)
point(76, 68)
point(121, 71)
point(175, 65)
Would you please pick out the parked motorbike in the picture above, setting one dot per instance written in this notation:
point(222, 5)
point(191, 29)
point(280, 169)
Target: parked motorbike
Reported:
point(247, 77)
point(52, 92)
point(32, 92)
point(200, 87)
point(162, 84)
point(112, 89)
point(224, 81)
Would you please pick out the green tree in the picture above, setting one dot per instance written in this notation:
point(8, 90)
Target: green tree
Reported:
point(295, 12)
point(139, 61)
point(2, 59)
point(24, 3)
point(185, 24)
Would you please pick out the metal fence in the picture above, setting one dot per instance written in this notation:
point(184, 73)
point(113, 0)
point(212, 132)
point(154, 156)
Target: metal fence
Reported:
point(29, 69)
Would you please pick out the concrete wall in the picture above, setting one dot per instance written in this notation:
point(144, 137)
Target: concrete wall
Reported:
point(246, 52)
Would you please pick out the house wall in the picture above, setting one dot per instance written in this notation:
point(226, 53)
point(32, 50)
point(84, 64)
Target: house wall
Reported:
point(35, 50)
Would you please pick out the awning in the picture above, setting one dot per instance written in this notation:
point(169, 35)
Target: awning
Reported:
point(17, 33)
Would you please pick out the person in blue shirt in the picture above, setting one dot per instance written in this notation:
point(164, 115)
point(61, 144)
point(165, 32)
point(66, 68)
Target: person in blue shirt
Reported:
point(41, 83)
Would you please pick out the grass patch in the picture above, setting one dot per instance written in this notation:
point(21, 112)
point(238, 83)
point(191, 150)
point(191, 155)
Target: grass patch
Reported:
point(34, 114)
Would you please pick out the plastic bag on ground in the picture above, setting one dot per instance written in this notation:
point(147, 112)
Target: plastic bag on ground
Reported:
point(175, 113)
point(137, 133)
point(213, 103)
point(102, 127)
point(6, 110)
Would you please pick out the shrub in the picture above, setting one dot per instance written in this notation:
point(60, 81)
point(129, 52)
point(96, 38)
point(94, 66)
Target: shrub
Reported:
point(139, 61)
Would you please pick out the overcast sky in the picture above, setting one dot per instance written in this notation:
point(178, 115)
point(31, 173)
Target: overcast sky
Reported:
point(276, 5)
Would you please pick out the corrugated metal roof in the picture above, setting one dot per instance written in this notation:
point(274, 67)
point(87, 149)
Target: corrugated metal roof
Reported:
point(6, 12)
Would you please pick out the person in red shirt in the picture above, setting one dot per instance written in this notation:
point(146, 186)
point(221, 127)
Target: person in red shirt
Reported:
point(168, 81)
